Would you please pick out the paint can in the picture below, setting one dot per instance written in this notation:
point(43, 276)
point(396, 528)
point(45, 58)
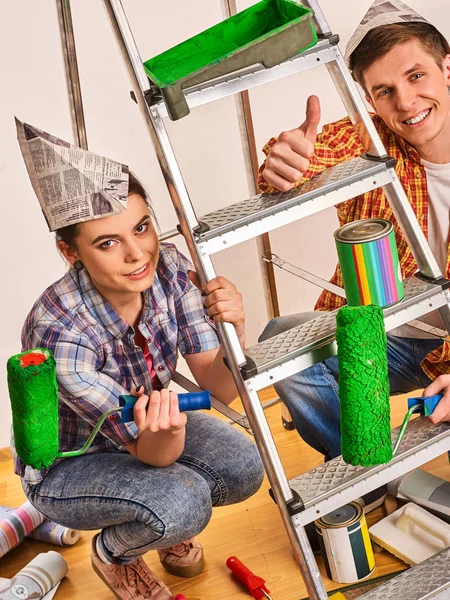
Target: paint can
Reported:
point(369, 262)
point(345, 544)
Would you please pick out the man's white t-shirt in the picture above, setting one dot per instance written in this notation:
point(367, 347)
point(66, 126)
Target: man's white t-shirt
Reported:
point(438, 181)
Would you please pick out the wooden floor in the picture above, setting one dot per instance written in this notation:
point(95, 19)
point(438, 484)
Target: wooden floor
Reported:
point(252, 531)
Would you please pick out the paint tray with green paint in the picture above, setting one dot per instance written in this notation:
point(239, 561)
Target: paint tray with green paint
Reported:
point(268, 32)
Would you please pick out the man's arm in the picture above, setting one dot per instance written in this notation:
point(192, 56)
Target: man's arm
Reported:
point(290, 156)
point(338, 142)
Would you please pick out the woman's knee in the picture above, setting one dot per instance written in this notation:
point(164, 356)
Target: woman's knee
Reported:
point(242, 473)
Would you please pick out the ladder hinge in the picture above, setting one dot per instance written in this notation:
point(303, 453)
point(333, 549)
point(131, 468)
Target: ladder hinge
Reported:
point(387, 160)
point(442, 281)
point(295, 506)
point(152, 96)
point(249, 369)
point(333, 38)
point(201, 228)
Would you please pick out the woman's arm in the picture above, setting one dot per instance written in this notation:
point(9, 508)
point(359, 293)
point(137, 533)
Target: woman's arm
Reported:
point(223, 304)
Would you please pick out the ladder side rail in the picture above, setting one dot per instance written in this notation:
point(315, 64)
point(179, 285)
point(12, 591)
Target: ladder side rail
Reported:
point(203, 264)
point(371, 140)
point(281, 490)
point(72, 74)
point(319, 17)
point(248, 144)
point(141, 85)
point(166, 157)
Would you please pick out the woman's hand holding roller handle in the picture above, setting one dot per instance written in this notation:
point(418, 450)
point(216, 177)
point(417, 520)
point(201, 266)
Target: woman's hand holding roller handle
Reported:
point(290, 156)
point(161, 427)
point(441, 385)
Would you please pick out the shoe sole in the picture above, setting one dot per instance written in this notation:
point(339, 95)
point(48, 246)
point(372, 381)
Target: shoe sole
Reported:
point(186, 572)
point(100, 574)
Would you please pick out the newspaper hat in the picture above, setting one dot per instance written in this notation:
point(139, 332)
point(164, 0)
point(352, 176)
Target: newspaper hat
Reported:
point(72, 184)
point(382, 12)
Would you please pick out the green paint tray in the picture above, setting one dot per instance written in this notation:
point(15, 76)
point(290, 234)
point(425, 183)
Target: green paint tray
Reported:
point(268, 32)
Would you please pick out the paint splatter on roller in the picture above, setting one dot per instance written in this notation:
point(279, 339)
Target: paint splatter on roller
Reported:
point(363, 386)
point(33, 392)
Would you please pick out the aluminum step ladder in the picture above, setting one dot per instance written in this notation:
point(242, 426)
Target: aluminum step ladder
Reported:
point(312, 494)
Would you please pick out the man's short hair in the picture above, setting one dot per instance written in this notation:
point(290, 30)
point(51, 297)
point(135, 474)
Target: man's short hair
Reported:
point(379, 41)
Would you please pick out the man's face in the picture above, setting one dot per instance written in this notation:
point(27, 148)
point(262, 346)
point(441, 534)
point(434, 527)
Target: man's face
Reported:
point(409, 91)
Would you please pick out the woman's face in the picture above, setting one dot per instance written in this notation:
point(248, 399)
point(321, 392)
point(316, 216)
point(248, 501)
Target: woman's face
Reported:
point(120, 252)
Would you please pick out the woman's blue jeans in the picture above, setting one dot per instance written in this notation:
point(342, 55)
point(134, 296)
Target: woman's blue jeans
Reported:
point(312, 395)
point(139, 507)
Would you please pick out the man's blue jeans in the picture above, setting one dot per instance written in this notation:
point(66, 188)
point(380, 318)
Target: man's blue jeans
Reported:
point(312, 395)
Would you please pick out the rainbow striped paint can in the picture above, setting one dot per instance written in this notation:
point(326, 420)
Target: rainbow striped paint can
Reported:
point(345, 544)
point(369, 262)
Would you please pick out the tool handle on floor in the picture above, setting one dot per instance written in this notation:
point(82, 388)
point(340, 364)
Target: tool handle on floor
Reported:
point(188, 401)
point(254, 583)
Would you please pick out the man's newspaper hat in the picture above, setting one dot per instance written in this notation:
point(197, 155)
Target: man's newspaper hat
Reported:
point(72, 185)
point(382, 12)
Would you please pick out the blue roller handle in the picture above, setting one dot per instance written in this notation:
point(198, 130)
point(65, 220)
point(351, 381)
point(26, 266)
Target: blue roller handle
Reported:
point(189, 401)
point(427, 405)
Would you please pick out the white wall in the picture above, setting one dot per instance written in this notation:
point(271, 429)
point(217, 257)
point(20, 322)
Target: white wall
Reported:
point(33, 87)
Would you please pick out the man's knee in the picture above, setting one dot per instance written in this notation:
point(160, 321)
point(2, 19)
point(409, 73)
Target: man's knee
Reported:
point(282, 324)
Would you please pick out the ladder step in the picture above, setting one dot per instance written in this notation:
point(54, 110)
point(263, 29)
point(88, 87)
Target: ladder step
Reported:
point(307, 344)
point(428, 579)
point(336, 483)
point(257, 215)
point(244, 79)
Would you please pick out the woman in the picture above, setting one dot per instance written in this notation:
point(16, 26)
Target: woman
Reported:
point(115, 323)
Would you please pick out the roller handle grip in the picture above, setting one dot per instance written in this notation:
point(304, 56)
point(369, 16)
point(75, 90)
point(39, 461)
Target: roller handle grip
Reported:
point(189, 401)
point(254, 583)
point(426, 405)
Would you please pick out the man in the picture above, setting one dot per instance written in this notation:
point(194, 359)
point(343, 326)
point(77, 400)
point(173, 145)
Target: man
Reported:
point(404, 70)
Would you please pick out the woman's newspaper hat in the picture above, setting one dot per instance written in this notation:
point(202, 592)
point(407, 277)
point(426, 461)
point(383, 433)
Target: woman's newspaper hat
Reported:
point(72, 185)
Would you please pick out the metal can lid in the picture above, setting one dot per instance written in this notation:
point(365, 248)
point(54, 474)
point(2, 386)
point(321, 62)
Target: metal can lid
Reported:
point(341, 516)
point(366, 230)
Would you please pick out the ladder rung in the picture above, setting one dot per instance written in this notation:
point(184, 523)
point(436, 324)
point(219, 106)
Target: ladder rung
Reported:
point(298, 348)
point(244, 220)
point(429, 579)
point(250, 77)
point(336, 483)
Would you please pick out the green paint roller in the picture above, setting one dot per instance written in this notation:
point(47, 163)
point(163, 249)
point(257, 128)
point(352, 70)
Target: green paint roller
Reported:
point(363, 386)
point(33, 392)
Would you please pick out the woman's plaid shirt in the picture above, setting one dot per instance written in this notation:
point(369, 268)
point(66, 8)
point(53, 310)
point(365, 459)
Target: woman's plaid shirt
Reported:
point(339, 142)
point(96, 357)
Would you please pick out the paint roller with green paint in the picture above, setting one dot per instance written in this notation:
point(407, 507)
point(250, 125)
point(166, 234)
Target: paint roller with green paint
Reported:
point(364, 391)
point(33, 392)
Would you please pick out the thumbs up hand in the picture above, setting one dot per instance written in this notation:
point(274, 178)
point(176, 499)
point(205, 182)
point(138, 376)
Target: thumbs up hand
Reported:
point(290, 156)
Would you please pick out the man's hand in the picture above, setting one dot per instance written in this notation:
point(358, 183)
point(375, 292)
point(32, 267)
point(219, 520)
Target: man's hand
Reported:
point(289, 158)
point(441, 385)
